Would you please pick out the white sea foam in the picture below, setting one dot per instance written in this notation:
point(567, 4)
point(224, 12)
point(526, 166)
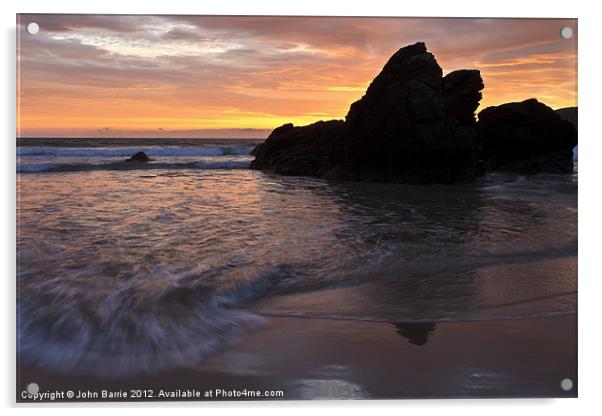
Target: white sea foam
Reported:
point(208, 163)
point(136, 330)
point(127, 151)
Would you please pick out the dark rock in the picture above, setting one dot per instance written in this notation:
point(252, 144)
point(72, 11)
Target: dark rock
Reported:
point(415, 126)
point(569, 114)
point(397, 132)
point(291, 150)
point(255, 151)
point(527, 137)
point(462, 94)
point(139, 157)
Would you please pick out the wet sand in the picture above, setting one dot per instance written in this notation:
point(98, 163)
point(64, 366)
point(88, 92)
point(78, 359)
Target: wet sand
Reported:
point(331, 359)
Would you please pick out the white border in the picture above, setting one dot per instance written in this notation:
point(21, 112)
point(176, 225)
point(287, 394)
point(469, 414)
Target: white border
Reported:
point(590, 157)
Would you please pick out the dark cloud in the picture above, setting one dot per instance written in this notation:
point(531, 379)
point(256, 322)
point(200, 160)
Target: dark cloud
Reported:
point(188, 35)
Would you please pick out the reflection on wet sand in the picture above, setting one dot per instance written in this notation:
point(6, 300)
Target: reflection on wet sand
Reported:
point(417, 333)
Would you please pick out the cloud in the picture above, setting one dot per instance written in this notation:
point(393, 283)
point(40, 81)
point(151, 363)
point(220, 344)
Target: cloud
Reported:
point(75, 22)
point(196, 72)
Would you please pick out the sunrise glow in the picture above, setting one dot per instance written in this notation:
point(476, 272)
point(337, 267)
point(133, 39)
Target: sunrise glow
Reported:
point(181, 76)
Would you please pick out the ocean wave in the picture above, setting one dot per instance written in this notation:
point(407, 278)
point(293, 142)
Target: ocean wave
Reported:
point(125, 152)
point(121, 166)
point(131, 345)
point(140, 328)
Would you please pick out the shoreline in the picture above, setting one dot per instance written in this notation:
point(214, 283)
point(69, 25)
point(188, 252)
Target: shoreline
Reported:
point(336, 359)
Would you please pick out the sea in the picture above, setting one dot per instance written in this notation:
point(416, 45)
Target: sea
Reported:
point(141, 267)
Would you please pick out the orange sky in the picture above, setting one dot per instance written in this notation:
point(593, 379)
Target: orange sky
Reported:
point(222, 76)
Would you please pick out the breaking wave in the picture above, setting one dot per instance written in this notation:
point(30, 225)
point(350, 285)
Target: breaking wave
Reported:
point(214, 163)
point(144, 326)
point(125, 152)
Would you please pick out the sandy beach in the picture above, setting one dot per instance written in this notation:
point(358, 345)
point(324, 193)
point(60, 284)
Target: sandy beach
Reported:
point(332, 359)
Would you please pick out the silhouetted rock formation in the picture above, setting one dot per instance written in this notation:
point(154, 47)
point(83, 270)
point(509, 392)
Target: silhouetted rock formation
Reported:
point(462, 94)
point(297, 150)
point(398, 131)
point(415, 126)
point(527, 137)
point(569, 114)
point(139, 157)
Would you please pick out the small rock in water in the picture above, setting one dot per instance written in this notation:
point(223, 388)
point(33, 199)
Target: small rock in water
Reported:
point(139, 157)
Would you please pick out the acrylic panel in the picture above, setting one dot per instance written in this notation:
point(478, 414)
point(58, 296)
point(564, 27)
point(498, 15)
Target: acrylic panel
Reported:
point(295, 207)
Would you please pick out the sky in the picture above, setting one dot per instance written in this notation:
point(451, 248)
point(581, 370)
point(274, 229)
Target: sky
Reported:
point(229, 76)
